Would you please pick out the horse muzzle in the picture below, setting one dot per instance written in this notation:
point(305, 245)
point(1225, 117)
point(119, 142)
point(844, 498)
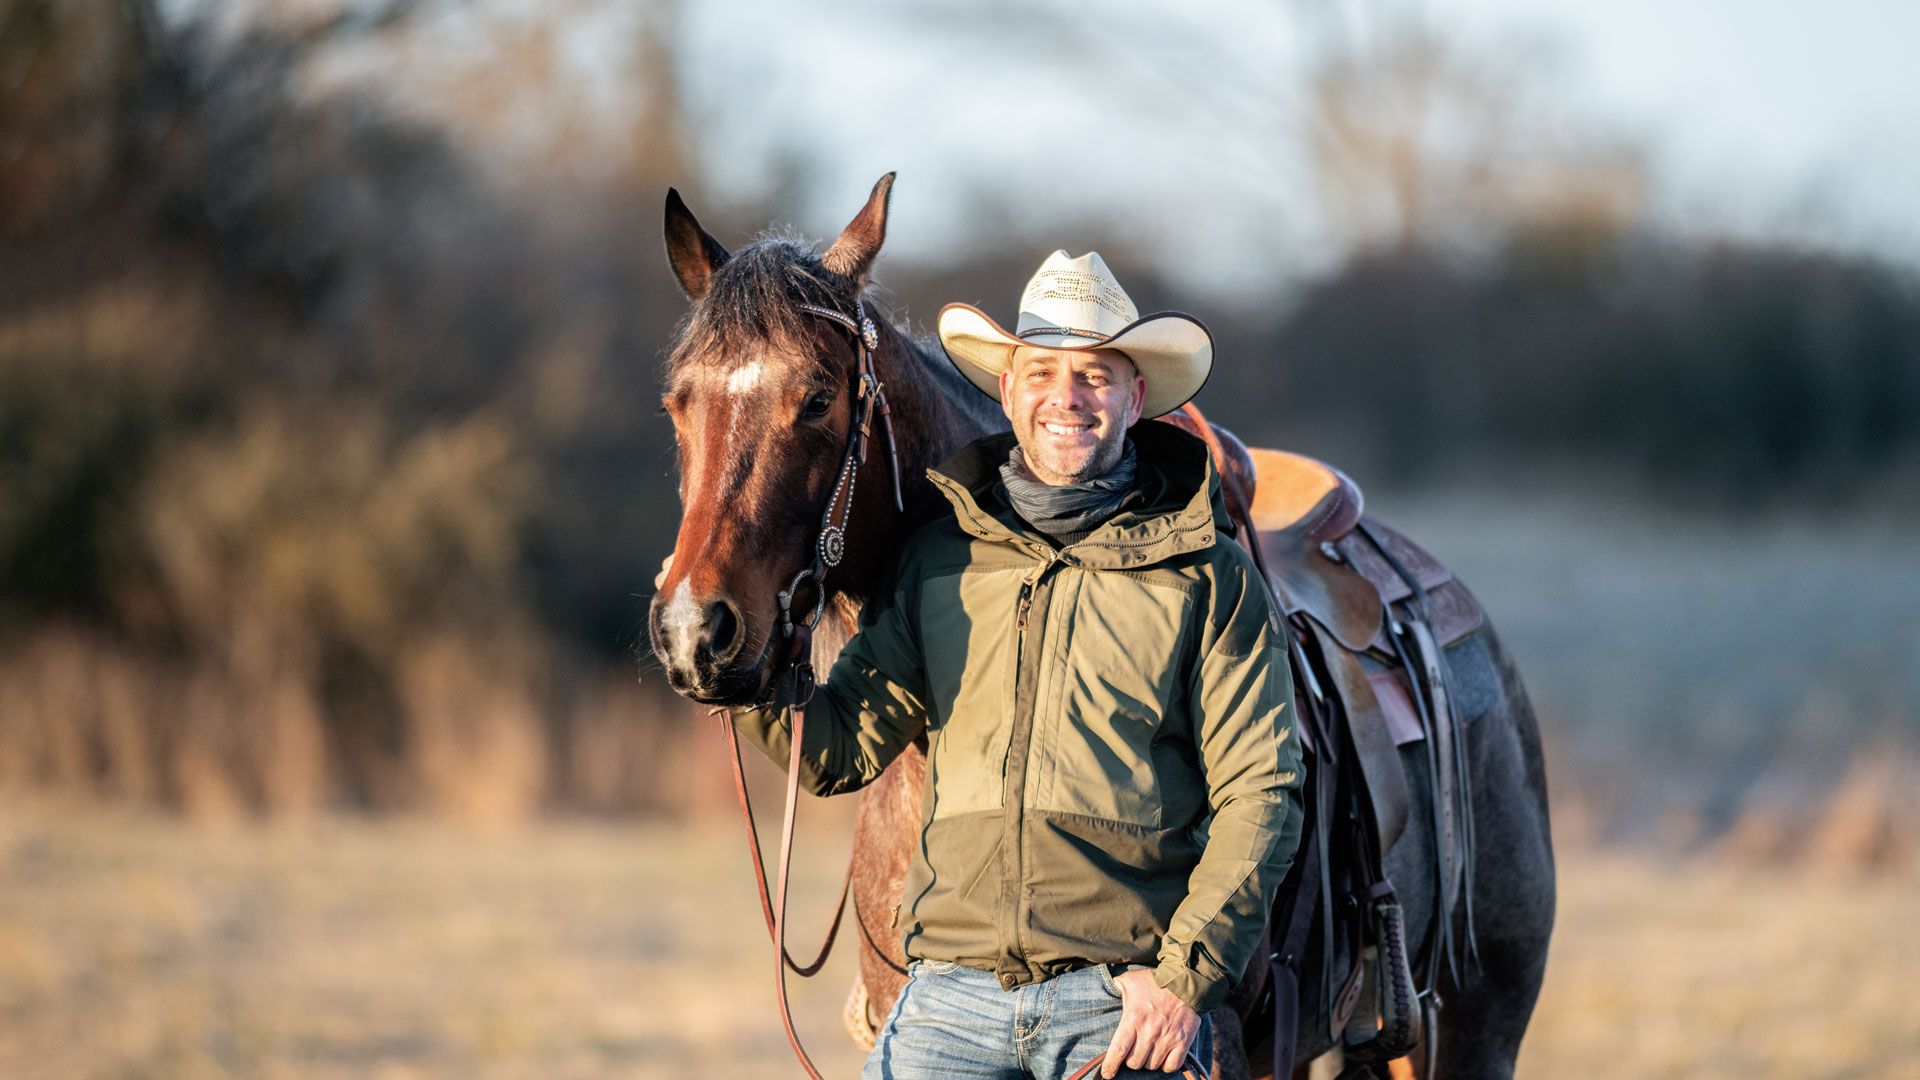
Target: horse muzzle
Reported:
point(701, 643)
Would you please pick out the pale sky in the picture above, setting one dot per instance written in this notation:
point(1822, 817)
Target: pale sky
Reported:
point(1765, 118)
point(1180, 124)
point(1760, 104)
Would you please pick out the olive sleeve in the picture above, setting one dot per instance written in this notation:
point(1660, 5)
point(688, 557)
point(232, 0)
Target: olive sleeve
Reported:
point(1242, 695)
point(865, 712)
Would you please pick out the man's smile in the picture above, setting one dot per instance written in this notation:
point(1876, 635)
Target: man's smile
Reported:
point(1070, 429)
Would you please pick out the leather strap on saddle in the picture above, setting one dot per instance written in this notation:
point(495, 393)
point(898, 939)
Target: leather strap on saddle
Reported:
point(1452, 800)
point(1378, 759)
point(1283, 974)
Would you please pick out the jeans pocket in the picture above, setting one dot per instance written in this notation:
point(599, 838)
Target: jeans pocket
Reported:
point(1106, 979)
point(937, 967)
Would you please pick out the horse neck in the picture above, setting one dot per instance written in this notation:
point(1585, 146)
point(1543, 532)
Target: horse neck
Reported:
point(935, 412)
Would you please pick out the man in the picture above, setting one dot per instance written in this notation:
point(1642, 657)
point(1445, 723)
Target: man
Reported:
point(1113, 778)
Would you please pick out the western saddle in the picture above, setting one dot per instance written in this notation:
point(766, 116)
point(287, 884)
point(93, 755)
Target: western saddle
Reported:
point(1368, 617)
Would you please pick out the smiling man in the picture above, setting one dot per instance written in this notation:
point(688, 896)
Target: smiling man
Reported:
point(1113, 781)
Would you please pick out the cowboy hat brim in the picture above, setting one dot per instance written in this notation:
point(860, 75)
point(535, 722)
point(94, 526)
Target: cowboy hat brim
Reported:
point(1171, 349)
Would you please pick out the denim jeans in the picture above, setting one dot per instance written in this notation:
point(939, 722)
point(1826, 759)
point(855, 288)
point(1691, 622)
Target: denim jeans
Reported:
point(953, 1022)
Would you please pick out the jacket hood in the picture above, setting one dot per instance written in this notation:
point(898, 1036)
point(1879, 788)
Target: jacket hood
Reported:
point(1176, 508)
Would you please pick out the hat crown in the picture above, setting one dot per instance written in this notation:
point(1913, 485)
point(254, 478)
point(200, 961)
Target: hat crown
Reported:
point(1076, 298)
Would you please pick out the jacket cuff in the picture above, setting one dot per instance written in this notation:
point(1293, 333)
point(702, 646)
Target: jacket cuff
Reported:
point(1200, 992)
point(764, 716)
point(765, 727)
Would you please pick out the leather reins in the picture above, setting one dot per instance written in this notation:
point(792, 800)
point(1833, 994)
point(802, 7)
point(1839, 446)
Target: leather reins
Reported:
point(795, 655)
point(1190, 1067)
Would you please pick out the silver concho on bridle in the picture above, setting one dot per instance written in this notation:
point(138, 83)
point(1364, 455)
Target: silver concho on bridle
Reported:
point(833, 545)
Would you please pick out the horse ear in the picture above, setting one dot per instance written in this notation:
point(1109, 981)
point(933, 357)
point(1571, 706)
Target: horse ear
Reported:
point(693, 253)
point(852, 255)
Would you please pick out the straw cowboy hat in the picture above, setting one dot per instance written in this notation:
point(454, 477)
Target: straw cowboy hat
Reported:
point(1076, 304)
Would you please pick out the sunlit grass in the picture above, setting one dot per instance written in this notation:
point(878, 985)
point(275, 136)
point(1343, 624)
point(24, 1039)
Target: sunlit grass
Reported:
point(139, 946)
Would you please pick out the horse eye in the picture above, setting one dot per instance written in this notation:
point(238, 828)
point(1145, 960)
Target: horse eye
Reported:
point(818, 405)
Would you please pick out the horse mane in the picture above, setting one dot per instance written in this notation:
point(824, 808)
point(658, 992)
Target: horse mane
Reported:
point(756, 295)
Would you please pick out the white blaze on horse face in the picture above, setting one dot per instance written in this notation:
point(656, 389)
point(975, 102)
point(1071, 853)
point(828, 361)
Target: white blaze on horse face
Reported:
point(745, 377)
point(742, 381)
point(681, 620)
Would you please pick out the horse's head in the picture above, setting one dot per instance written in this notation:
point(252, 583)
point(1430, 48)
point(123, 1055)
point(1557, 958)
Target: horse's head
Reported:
point(760, 392)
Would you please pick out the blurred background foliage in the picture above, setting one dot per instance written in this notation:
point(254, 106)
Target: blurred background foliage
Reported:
point(331, 474)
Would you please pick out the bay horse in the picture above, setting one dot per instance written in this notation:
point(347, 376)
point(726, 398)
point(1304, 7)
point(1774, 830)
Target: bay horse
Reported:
point(761, 392)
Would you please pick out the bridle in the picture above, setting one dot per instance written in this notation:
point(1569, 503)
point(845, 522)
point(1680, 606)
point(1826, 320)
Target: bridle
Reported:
point(794, 655)
point(830, 541)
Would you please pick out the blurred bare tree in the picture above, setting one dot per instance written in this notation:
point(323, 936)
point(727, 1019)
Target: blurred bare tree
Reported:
point(1419, 138)
point(1407, 133)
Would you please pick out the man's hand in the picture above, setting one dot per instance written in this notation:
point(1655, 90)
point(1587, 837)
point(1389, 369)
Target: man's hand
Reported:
point(1156, 1027)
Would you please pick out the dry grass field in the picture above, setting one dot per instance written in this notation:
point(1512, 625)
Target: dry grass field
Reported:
point(134, 946)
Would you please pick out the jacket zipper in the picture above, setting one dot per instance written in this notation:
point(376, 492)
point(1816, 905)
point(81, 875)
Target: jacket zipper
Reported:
point(1026, 679)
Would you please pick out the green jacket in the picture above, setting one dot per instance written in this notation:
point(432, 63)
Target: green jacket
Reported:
point(1114, 773)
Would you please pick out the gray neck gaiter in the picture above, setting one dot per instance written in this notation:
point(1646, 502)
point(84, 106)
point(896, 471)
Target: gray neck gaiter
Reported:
point(1068, 512)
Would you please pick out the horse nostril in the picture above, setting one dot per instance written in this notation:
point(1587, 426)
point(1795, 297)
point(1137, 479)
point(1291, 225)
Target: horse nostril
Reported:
point(723, 630)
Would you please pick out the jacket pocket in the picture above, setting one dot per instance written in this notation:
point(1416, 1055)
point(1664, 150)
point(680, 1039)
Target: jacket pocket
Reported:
point(964, 622)
point(1119, 681)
